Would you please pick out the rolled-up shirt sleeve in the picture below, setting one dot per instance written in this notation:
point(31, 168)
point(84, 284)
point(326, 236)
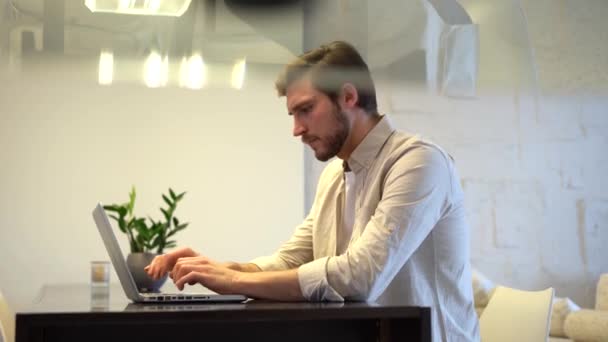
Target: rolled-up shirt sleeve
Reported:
point(313, 282)
point(415, 192)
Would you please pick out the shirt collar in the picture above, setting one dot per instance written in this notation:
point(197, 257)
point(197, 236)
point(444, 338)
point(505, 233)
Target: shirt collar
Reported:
point(365, 153)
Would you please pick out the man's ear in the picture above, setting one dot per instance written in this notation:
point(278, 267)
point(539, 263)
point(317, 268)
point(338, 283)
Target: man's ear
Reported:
point(350, 95)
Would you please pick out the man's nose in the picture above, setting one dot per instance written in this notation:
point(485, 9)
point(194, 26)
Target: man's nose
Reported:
point(298, 128)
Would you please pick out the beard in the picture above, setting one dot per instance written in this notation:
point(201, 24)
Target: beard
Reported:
point(333, 143)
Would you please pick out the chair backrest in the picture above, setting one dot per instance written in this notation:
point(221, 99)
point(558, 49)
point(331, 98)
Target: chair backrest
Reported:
point(7, 321)
point(516, 315)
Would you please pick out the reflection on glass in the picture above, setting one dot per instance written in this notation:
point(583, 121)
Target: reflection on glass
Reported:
point(153, 5)
point(156, 70)
point(106, 67)
point(173, 8)
point(193, 72)
point(238, 74)
point(124, 5)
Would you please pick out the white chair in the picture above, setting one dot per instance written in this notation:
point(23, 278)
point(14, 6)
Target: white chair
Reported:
point(7, 322)
point(516, 315)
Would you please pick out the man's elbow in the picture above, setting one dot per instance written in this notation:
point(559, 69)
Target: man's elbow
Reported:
point(360, 293)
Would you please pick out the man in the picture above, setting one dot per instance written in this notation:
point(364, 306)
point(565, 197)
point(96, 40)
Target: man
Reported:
point(387, 224)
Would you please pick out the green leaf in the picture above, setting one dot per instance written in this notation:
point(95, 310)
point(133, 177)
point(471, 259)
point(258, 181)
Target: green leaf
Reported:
point(166, 214)
point(112, 207)
point(180, 196)
point(139, 225)
point(114, 217)
point(122, 226)
point(132, 197)
point(172, 194)
point(167, 200)
point(158, 231)
point(175, 222)
point(177, 229)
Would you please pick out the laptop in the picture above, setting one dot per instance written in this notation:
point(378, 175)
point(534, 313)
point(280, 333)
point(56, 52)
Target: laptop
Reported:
point(126, 280)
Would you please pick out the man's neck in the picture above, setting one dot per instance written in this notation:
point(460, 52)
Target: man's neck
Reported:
point(362, 124)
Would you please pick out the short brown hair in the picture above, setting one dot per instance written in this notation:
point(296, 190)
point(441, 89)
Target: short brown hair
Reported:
point(330, 66)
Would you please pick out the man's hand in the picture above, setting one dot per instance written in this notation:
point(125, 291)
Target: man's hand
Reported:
point(213, 276)
point(161, 264)
point(183, 264)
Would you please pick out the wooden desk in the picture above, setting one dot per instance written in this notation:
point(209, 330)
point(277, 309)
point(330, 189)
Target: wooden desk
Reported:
point(73, 313)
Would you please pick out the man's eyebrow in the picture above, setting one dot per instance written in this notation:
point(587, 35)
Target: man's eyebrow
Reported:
point(301, 104)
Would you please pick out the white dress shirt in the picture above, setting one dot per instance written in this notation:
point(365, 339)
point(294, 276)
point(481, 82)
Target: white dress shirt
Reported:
point(410, 239)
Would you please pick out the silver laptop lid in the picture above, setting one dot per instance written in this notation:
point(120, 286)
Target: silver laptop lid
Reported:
point(120, 265)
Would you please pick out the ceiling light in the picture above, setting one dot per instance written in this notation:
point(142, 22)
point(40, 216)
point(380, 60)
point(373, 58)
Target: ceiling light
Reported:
point(156, 70)
point(174, 8)
point(193, 72)
point(106, 67)
point(238, 74)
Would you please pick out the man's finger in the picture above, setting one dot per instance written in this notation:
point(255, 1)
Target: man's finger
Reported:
point(194, 260)
point(183, 270)
point(190, 278)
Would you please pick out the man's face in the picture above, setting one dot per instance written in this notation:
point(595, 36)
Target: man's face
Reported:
point(317, 119)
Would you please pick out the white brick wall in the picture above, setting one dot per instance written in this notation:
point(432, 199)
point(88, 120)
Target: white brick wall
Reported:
point(536, 191)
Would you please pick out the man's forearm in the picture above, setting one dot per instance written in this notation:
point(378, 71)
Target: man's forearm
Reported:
point(249, 267)
point(277, 285)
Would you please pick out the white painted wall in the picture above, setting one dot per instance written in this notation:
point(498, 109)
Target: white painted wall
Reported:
point(66, 143)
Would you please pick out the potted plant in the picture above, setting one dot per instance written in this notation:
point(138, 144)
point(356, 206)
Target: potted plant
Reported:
point(147, 237)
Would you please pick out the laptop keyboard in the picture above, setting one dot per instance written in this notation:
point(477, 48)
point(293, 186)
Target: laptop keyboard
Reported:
point(171, 297)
